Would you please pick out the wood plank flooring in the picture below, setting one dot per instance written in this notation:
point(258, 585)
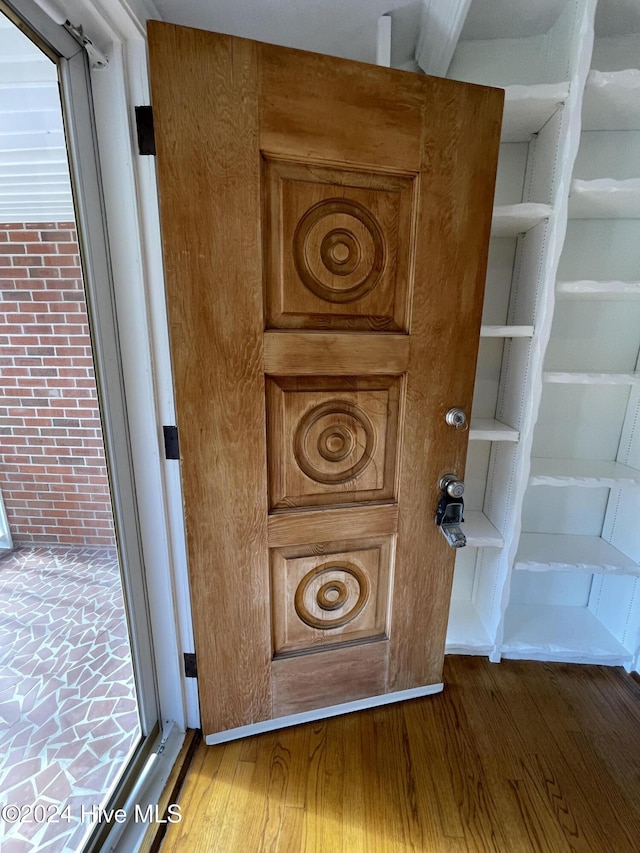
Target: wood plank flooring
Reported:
point(514, 757)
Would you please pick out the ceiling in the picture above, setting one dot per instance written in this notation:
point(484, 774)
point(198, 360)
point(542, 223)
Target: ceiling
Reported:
point(347, 28)
point(344, 28)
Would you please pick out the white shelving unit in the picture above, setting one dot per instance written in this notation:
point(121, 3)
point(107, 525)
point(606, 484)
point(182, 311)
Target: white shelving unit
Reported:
point(552, 567)
point(510, 220)
point(466, 635)
point(561, 633)
point(543, 73)
point(574, 377)
point(575, 589)
point(544, 552)
point(600, 290)
point(612, 100)
point(605, 198)
point(506, 331)
point(586, 473)
point(528, 108)
point(480, 532)
point(487, 429)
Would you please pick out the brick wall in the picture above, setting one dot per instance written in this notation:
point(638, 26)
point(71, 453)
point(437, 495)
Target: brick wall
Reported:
point(52, 468)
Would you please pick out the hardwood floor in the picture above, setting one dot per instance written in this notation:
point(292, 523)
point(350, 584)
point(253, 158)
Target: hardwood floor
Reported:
point(517, 756)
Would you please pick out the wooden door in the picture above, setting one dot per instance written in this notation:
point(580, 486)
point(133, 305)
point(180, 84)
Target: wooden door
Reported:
point(325, 228)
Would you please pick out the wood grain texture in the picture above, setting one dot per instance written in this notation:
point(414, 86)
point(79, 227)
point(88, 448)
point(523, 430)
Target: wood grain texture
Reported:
point(334, 593)
point(335, 101)
point(326, 524)
point(353, 254)
point(321, 189)
point(460, 138)
point(332, 440)
point(334, 354)
point(329, 677)
point(520, 756)
point(215, 315)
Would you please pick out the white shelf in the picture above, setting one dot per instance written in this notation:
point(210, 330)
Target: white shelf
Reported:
point(509, 220)
point(480, 532)
point(587, 473)
point(485, 429)
point(557, 575)
point(465, 633)
point(599, 289)
point(572, 377)
point(605, 198)
point(528, 108)
point(559, 633)
point(506, 331)
point(612, 100)
point(543, 552)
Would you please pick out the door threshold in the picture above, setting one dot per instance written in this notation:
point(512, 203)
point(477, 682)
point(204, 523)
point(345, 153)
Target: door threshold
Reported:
point(135, 825)
point(169, 797)
point(322, 713)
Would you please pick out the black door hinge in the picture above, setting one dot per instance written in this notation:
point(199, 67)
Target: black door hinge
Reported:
point(190, 667)
point(171, 444)
point(144, 128)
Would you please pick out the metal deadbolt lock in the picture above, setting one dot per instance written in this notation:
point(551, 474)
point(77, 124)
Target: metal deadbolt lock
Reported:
point(450, 484)
point(456, 418)
point(450, 509)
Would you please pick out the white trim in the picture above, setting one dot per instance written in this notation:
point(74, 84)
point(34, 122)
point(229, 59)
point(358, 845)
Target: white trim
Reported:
point(53, 10)
point(323, 713)
point(383, 42)
point(109, 21)
point(6, 542)
point(97, 273)
point(131, 301)
point(440, 28)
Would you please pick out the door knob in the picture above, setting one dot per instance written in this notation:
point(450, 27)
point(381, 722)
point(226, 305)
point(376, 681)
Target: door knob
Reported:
point(450, 510)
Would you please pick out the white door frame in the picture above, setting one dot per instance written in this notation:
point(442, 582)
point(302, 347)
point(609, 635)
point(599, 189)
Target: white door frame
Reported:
point(6, 542)
point(117, 214)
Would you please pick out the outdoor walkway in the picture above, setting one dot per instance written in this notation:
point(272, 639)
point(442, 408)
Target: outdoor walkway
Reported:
point(68, 718)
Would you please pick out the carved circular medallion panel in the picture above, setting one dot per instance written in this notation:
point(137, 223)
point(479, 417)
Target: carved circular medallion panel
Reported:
point(328, 588)
point(332, 595)
point(339, 250)
point(334, 442)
